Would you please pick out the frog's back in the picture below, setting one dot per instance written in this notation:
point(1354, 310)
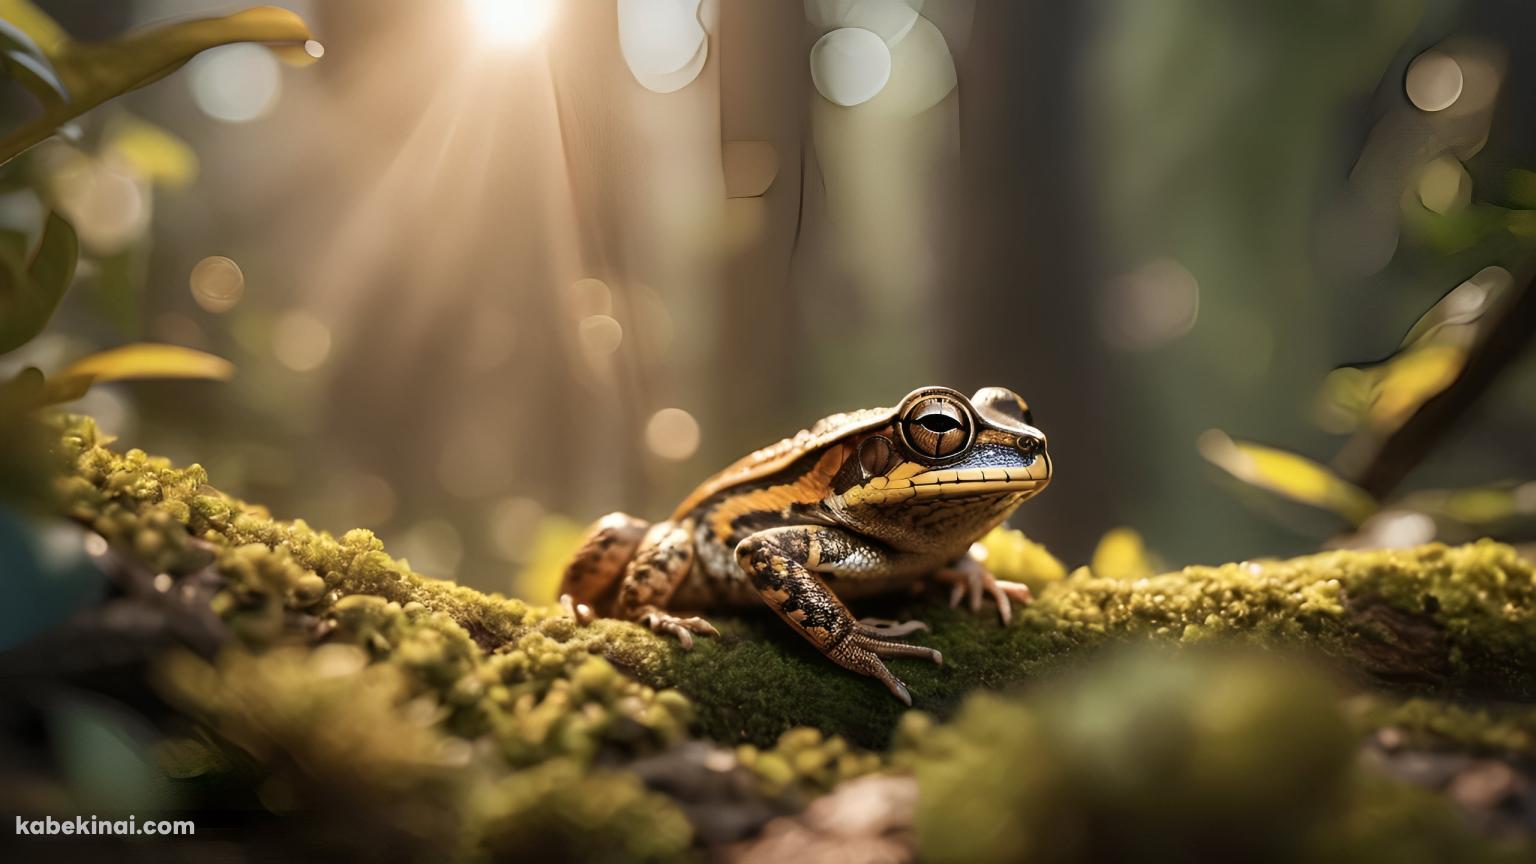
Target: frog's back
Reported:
point(779, 456)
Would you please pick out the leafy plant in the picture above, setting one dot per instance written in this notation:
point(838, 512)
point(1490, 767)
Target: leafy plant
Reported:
point(69, 78)
point(1396, 409)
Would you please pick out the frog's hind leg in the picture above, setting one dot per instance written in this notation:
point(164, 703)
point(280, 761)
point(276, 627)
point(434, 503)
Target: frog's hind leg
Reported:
point(659, 566)
point(591, 581)
point(783, 565)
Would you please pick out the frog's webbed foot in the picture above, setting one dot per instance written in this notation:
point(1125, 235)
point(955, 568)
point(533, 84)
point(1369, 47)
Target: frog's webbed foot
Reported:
point(886, 628)
point(682, 628)
point(971, 578)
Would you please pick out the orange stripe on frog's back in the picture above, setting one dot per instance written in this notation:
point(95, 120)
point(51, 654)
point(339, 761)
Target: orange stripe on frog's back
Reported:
point(776, 457)
point(808, 488)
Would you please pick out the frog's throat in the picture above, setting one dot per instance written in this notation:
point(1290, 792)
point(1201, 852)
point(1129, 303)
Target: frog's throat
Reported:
point(946, 483)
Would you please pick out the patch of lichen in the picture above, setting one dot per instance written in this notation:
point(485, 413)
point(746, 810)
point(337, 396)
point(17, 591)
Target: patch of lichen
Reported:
point(1159, 756)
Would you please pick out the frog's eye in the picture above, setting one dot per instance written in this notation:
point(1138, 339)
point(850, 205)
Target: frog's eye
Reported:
point(937, 427)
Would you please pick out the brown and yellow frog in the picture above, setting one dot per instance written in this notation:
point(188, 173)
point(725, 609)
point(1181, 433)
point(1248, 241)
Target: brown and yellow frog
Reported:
point(858, 504)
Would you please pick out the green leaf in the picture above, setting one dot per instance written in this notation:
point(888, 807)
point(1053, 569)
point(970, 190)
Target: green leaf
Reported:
point(93, 73)
point(29, 297)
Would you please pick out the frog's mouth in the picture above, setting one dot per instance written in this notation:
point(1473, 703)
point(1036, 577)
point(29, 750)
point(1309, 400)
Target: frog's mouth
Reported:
point(952, 483)
point(955, 482)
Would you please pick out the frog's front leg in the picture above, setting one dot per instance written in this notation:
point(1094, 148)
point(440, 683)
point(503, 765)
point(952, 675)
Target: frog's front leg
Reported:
point(784, 565)
point(660, 564)
point(970, 576)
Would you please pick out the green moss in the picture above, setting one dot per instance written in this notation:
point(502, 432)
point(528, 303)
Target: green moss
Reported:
point(1455, 618)
point(1160, 756)
point(363, 752)
point(564, 811)
point(1441, 724)
point(804, 763)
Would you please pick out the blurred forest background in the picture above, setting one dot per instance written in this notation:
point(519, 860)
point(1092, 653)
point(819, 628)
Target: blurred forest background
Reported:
point(491, 284)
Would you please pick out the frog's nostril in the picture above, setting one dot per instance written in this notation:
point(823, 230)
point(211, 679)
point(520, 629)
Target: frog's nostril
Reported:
point(1030, 446)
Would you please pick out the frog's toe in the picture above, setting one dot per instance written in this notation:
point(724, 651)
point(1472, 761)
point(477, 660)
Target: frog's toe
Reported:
point(580, 612)
point(971, 579)
point(682, 628)
point(1004, 591)
point(862, 654)
point(891, 648)
point(861, 659)
point(885, 627)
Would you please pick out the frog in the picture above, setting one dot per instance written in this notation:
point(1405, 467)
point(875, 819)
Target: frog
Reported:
point(859, 504)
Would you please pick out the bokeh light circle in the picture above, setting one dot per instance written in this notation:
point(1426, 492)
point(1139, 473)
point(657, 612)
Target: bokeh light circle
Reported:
point(217, 283)
point(850, 66)
point(672, 434)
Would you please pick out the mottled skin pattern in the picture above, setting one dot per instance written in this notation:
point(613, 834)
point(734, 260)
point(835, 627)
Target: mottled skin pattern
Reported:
point(859, 504)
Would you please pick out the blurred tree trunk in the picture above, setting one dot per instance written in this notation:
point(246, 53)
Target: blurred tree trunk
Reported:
point(1019, 311)
point(757, 361)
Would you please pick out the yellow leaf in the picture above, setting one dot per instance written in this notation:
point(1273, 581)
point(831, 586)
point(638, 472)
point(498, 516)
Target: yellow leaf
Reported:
point(1121, 554)
point(43, 30)
point(1413, 378)
point(1287, 475)
point(1479, 506)
point(151, 360)
point(139, 360)
point(1010, 555)
point(1345, 398)
point(154, 153)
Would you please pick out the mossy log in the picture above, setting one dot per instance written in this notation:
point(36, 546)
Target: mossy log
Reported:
point(1443, 619)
